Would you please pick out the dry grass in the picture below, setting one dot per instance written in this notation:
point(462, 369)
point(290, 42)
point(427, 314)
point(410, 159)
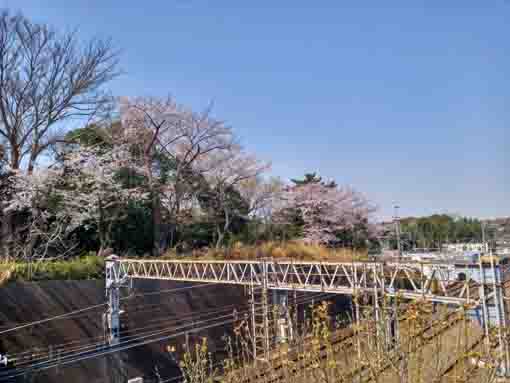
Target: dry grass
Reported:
point(279, 250)
point(6, 273)
point(433, 348)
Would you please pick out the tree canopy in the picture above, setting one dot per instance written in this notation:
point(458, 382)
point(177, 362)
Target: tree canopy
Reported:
point(142, 174)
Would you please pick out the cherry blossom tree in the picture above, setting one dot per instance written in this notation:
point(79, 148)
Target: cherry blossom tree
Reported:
point(262, 195)
point(83, 191)
point(232, 188)
point(327, 209)
point(173, 140)
point(47, 78)
point(43, 223)
point(95, 194)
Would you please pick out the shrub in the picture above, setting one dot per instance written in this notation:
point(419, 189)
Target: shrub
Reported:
point(82, 268)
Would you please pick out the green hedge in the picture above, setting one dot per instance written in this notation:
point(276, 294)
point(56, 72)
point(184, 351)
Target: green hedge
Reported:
point(83, 268)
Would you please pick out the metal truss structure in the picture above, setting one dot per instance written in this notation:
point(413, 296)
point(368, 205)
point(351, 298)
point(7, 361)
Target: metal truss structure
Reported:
point(474, 285)
point(434, 282)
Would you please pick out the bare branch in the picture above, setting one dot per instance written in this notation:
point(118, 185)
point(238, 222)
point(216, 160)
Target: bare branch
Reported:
point(47, 78)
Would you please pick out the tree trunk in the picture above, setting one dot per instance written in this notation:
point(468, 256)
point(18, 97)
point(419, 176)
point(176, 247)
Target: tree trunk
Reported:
point(175, 214)
point(101, 229)
point(221, 234)
point(156, 225)
point(15, 158)
point(33, 157)
point(7, 236)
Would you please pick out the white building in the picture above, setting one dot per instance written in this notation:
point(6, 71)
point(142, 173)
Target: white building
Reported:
point(503, 251)
point(467, 246)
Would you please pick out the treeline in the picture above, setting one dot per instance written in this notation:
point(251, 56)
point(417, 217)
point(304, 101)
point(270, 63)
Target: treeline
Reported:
point(143, 174)
point(436, 230)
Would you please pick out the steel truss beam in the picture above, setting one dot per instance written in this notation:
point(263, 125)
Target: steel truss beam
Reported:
point(431, 281)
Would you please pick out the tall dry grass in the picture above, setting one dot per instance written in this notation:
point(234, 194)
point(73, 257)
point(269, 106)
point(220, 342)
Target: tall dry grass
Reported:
point(295, 250)
point(436, 347)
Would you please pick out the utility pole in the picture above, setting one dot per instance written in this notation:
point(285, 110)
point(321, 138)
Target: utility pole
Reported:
point(114, 281)
point(396, 218)
point(483, 236)
point(113, 284)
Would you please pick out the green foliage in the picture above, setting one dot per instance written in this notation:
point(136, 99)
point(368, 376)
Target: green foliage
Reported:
point(129, 178)
point(219, 203)
point(197, 234)
point(289, 226)
point(93, 135)
point(313, 178)
point(310, 178)
point(437, 229)
point(133, 232)
point(82, 268)
point(167, 167)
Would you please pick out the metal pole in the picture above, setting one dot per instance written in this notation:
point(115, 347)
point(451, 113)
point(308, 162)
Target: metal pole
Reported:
point(265, 310)
point(397, 230)
point(483, 299)
point(396, 325)
point(356, 307)
point(253, 312)
point(282, 315)
point(113, 299)
point(501, 317)
point(376, 309)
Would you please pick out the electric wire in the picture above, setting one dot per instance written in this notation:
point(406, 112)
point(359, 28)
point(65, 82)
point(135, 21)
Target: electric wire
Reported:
point(138, 295)
point(102, 352)
point(89, 308)
point(70, 314)
point(149, 334)
point(140, 333)
point(177, 318)
point(59, 348)
point(30, 324)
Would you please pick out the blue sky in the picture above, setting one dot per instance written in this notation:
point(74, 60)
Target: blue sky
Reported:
point(407, 102)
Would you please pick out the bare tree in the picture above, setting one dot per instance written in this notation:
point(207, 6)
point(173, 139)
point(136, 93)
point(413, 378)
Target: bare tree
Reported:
point(47, 78)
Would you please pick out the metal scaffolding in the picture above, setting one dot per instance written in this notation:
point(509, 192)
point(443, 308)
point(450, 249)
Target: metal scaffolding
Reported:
point(478, 286)
point(260, 317)
point(391, 279)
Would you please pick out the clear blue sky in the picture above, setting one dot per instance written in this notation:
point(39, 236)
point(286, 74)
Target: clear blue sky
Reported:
point(407, 102)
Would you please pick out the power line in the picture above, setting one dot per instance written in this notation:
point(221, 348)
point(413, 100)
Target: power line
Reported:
point(133, 337)
point(177, 319)
point(70, 314)
point(169, 290)
point(30, 324)
point(77, 358)
point(99, 346)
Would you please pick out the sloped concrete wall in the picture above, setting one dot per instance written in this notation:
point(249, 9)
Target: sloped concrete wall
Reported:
point(26, 302)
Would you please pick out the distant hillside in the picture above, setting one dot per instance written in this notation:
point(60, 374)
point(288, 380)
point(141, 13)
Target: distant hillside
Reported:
point(435, 230)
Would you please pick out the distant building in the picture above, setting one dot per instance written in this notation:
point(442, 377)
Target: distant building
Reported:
point(463, 247)
point(503, 251)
